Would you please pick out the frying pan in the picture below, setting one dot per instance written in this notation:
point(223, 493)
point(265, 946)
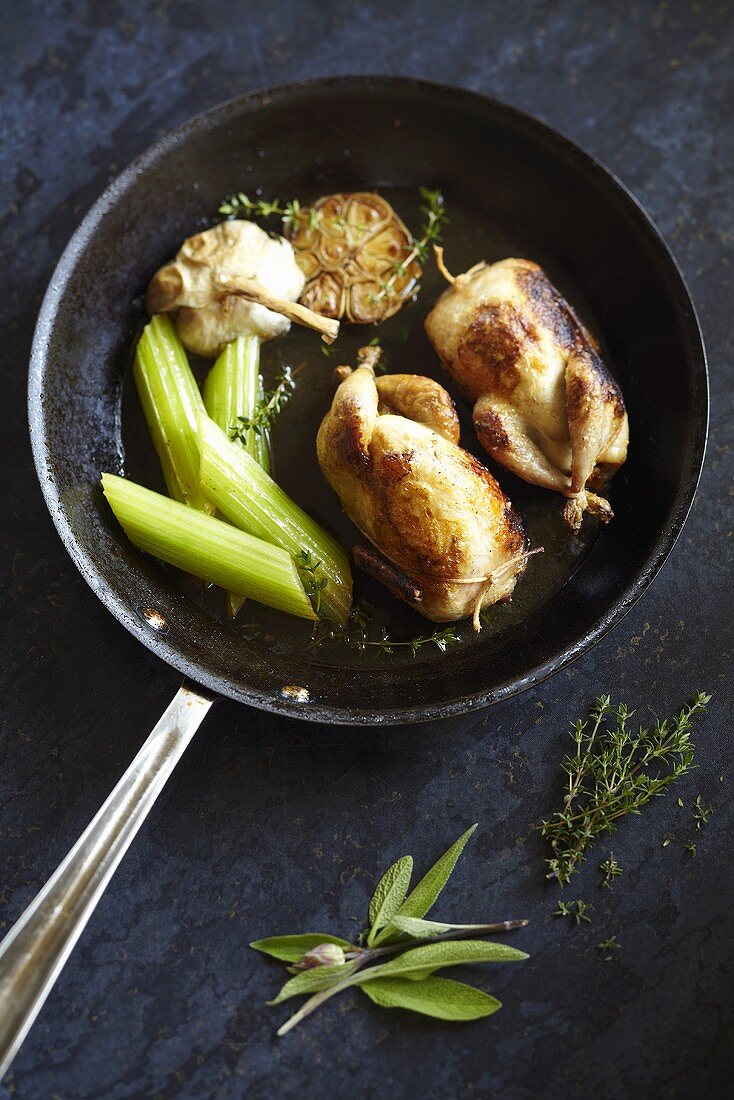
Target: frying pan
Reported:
point(516, 187)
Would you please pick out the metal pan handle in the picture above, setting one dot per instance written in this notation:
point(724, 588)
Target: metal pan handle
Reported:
point(39, 943)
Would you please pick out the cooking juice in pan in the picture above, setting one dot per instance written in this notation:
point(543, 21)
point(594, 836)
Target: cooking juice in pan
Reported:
point(471, 235)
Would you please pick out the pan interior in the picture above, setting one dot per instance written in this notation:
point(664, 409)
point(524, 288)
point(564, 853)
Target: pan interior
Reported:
point(511, 188)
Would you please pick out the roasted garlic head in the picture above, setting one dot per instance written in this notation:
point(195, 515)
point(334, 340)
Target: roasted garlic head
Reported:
point(206, 283)
point(348, 247)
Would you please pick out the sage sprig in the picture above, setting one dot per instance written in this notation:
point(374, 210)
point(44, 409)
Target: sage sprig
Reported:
point(324, 965)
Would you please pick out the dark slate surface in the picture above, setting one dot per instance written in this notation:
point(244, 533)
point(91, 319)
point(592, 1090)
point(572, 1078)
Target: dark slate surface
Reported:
point(269, 825)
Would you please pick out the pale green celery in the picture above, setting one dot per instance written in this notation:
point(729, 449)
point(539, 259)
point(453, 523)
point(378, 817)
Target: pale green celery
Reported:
point(171, 402)
point(233, 389)
point(207, 547)
point(249, 498)
point(262, 441)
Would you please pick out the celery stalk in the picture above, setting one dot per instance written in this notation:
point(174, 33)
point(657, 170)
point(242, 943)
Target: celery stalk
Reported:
point(207, 547)
point(233, 389)
point(262, 439)
point(249, 498)
point(171, 401)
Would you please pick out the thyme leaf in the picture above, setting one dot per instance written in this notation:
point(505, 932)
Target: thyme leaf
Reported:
point(608, 948)
point(701, 813)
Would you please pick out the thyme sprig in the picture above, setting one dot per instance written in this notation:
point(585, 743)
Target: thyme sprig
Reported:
point(267, 409)
point(613, 771)
point(356, 635)
point(441, 639)
point(435, 219)
point(608, 947)
point(701, 813)
point(579, 910)
point(610, 870)
point(325, 965)
point(292, 214)
point(310, 570)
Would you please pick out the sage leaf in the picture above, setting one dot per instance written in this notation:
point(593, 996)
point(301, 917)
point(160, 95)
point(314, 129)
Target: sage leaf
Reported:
point(441, 998)
point(293, 948)
point(312, 981)
point(419, 928)
point(422, 897)
point(419, 962)
point(389, 894)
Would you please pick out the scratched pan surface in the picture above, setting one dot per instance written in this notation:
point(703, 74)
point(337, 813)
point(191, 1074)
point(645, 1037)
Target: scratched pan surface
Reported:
point(512, 187)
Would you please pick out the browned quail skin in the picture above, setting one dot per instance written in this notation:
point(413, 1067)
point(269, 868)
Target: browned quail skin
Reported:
point(449, 540)
point(545, 406)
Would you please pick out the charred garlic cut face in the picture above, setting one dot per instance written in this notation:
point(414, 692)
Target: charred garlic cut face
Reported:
point(348, 249)
point(232, 256)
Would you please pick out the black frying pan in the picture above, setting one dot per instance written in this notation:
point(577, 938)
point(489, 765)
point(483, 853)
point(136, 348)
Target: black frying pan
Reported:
point(512, 187)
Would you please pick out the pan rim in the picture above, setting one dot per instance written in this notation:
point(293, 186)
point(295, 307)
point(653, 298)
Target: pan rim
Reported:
point(331, 714)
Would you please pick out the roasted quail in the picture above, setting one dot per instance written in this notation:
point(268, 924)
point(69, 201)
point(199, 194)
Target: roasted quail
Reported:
point(545, 406)
point(450, 542)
